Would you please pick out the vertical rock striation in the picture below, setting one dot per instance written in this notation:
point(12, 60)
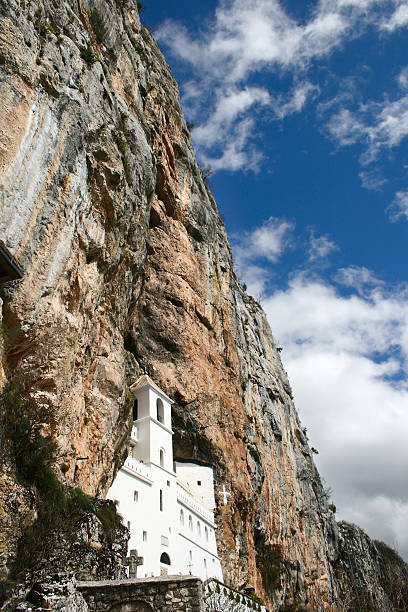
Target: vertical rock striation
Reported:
point(128, 270)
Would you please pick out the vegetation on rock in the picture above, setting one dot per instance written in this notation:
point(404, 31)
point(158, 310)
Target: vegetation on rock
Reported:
point(52, 540)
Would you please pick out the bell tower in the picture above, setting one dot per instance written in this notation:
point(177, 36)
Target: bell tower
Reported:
point(151, 432)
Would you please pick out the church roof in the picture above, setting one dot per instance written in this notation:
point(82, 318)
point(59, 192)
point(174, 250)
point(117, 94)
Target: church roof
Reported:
point(146, 381)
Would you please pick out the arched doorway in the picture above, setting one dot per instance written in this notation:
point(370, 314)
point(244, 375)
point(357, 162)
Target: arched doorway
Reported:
point(164, 564)
point(131, 606)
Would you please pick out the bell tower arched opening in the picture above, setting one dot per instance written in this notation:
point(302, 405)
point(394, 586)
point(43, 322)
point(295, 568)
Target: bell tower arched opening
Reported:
point(160, 410)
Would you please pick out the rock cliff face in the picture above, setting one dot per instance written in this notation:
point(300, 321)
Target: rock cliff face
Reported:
point(128, 270)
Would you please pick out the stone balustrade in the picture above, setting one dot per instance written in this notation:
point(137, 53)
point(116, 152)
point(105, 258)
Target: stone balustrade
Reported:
point(193, 504)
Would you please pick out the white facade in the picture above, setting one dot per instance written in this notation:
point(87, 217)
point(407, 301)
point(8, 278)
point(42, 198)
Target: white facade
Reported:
point(169, 513)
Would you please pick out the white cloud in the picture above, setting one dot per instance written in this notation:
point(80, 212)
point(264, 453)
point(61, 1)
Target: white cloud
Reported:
point(266, 243)
point(359, 278)
point(320, 247)
point(237, 154)
point(371, 179)
point(229, 124)
point(347, 358)
point(229, 107)
point(403, 78)
point(399, 207)
point(298, 98)
point(385, 519)
point(345, 128)
point(245, 39)
point(376, 125)
point(255, 277)
point(398, 19)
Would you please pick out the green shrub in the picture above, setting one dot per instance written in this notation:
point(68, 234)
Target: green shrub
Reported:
point(88, 54)
point(23, 422)
point(59, 508)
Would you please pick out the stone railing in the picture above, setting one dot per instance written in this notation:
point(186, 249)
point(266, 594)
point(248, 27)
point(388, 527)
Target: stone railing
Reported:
point(194, 504)
point(179, 592)
point(218, 596)
point(138, 467)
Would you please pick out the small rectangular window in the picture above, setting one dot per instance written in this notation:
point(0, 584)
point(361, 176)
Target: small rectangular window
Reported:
point(161, 501)
point(136, 496)
point(199, 483)
point(128, 525)
point(145, 536)
point(168, 483)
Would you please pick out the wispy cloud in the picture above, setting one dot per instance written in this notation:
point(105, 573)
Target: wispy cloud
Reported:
point(403, 78)
point(320, 247)
point(236, 154)
point(298, 97)
point(372, 179)
point(376, 125)
point(247, 38)
point(230, 106)
point(262, 245)
point(267, 241)
point(359, 278)
point(398, 19)
point(230, 127)
point(399, 207)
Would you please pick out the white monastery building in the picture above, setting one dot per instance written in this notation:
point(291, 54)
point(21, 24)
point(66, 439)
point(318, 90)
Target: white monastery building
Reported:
point(167, 506)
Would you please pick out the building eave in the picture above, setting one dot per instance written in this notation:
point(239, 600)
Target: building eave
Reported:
point(146, 381)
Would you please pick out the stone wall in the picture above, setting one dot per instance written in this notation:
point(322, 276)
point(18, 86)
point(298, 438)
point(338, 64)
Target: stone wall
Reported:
point(161, 594)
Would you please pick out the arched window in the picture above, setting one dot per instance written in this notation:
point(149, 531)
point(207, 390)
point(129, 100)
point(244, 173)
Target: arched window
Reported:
point(135, 410)
point(161, 501)
point(136, 496)
point(182, 517)
point(198, 528)
point(160, 410)
point(190, 522)
point(164, 558)
point(161, 457)
point(206, 533)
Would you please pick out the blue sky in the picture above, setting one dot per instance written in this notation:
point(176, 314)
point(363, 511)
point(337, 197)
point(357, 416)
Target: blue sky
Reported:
point(301, 109)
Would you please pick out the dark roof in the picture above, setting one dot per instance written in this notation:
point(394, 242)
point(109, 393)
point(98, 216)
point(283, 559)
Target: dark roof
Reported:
point(9, 268)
